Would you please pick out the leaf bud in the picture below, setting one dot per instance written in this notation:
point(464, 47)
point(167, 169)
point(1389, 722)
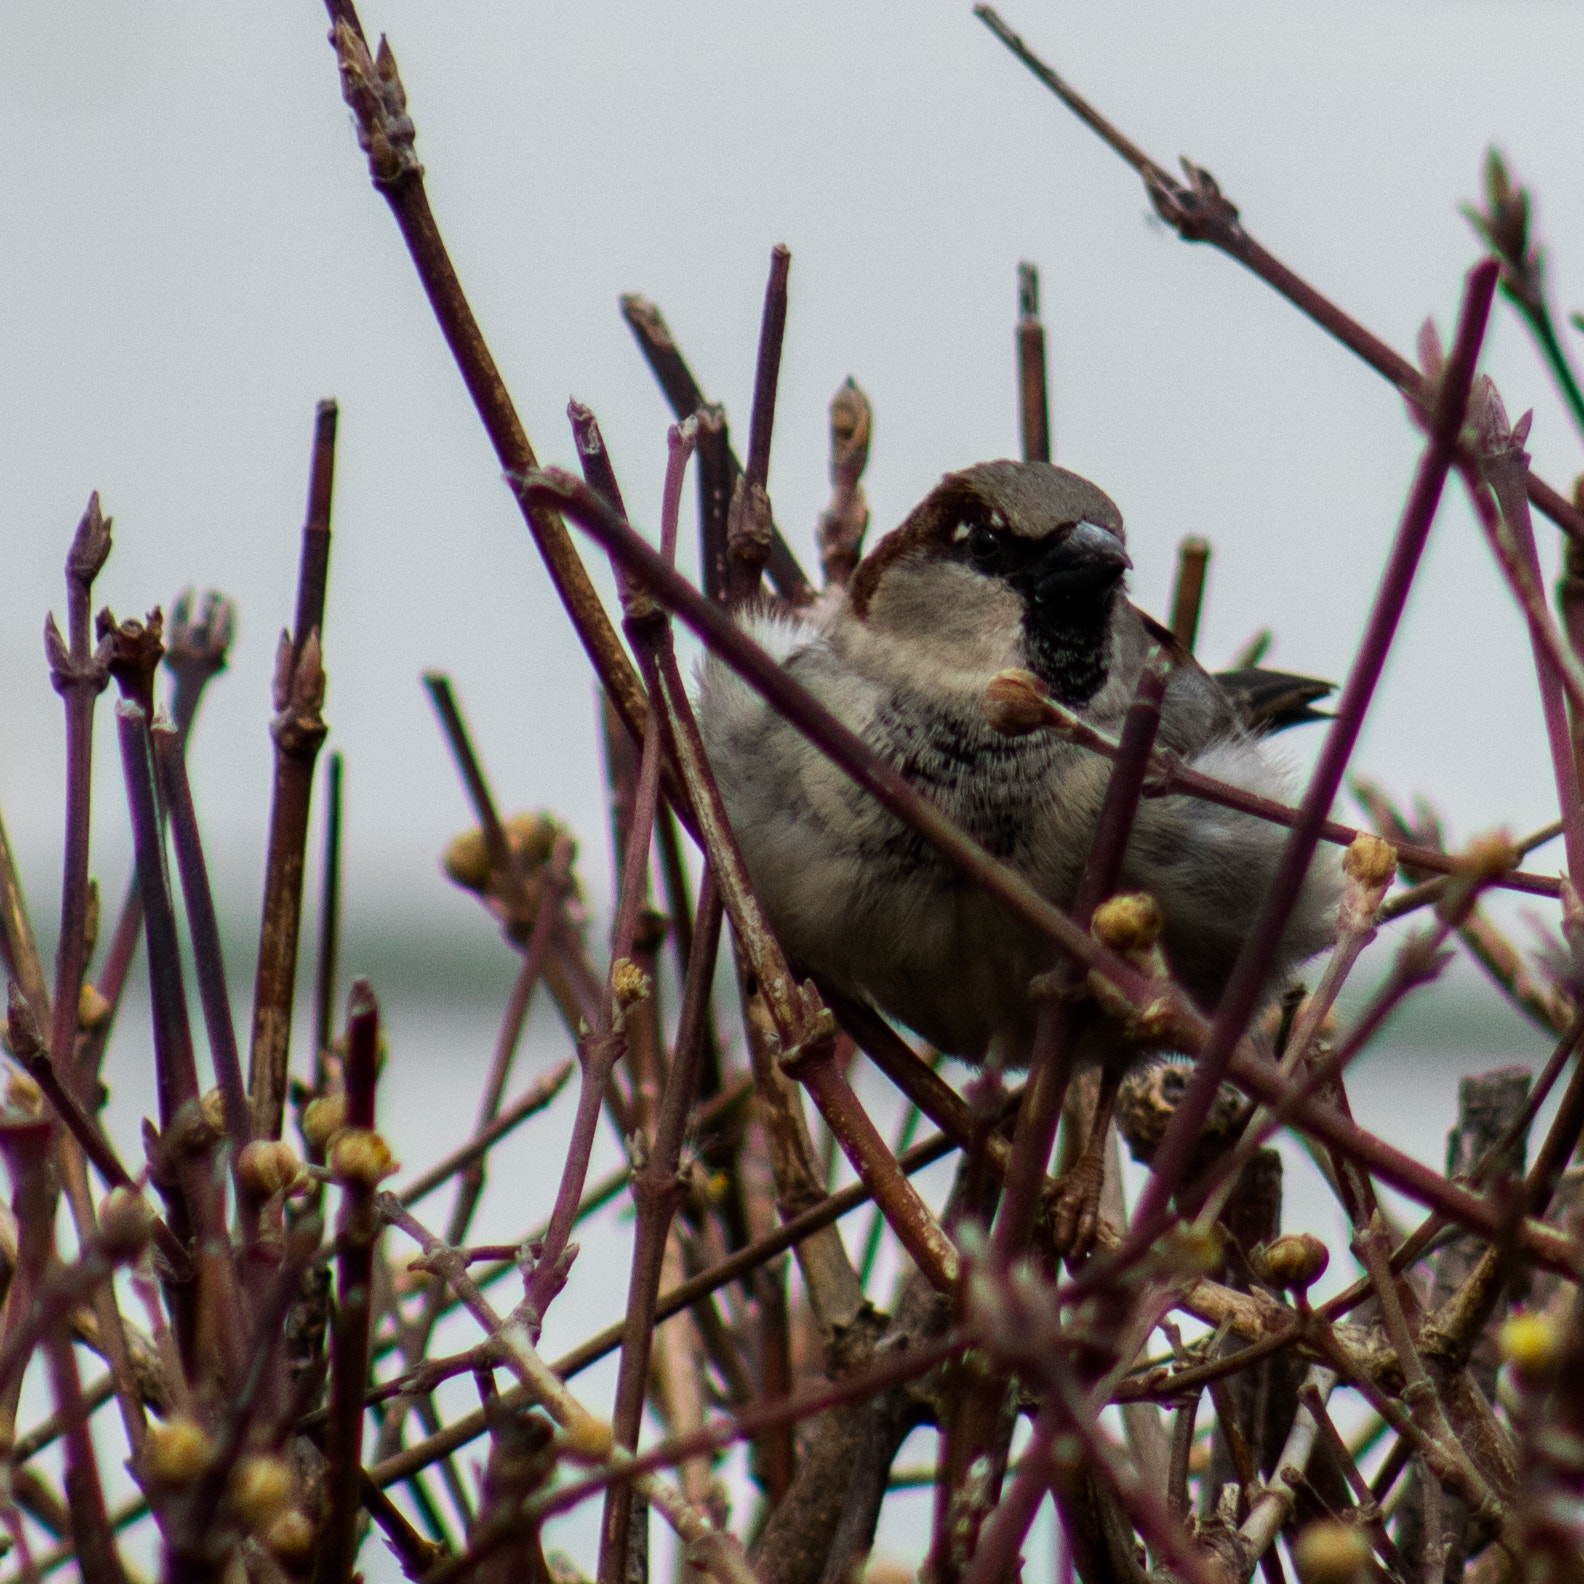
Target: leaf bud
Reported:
point(93, 1009)
point(1532, 1344)
point(1295, 1260)
point(1331, 1552)
point(212, 1104)
point(1370, 860)
point(23, 1094)
point(322, 1119)
point(359, 1156)
point(125, 1223)
point(269, 1166)
point(1014, 703)
point(629, 983)
point(261, 1490)
point(1128, 923)
point(178, 1451)
point(290, 1536)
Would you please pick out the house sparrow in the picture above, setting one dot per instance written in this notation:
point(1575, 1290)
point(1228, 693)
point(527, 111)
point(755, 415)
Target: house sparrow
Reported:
point(1004, 565)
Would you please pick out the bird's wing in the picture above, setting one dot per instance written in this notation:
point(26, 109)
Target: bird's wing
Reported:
point(1271, 701)
point(1261, 701)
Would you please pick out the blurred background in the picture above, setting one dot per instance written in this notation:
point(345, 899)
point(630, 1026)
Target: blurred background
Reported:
point(192, 255)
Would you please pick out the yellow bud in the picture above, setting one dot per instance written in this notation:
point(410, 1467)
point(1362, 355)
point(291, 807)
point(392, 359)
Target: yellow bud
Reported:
point(178, 1451)
point(213, 1104)
point(290, 1536)
point(93, 1010)
point(1531, 1343)
point(1191, 1250)
point(1295, 1259)
point(1331, 1552)
point(22, 1093)
point(322, 1119)
point(1127, 923)
point(532, 837)
point(588, 1434)
point(629, 983)
point(1488, 856)
point(1014, 703)
point(1370, 861)
point(466, 860)
point(361, 1156)
point(125, 1223)
point(269, 1166)
point(261, 1490)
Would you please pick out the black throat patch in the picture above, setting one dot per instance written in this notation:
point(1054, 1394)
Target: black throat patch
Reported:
point(1069, 646)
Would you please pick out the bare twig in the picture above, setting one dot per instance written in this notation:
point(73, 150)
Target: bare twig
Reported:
point(682, 392)
point(1179, 1023)
point(1033, 387)
point(359, 1159)
point(1246, 983)
point(372, 87)
point(1200, 213)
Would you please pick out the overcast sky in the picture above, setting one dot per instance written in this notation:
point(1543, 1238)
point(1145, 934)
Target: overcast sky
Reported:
point(191, 255)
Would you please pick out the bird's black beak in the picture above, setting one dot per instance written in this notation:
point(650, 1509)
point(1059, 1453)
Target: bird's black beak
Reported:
point(1079, 570)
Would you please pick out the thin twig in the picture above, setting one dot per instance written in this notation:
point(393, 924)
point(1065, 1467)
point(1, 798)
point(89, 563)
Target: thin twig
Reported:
point(1200, 213)
point(373, 88)
point(1246, 984)
point(358, 1168)
point(329, 924)
point(682, 392)
point(1033, 386)
point(1180, 1023)
point(787, 1236)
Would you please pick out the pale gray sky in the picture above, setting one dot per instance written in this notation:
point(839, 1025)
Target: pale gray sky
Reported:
point(191, 255)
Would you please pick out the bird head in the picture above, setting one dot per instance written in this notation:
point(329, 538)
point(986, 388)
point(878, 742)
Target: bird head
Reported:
point(1020, 562)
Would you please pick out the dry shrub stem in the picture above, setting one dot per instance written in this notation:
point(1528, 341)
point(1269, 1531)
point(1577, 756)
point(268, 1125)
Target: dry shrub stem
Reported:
point(1200, 213)
point(1183, 1026)
point(298, 730)
point(255, 1460)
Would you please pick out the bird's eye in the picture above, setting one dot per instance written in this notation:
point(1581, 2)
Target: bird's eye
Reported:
point(983, 543)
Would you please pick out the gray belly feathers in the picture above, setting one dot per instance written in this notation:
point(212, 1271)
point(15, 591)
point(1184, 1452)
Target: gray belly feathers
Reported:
point(861, 901)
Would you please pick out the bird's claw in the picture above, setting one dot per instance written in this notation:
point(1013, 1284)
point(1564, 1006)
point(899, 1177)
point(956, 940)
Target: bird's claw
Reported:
point(1075, 1210)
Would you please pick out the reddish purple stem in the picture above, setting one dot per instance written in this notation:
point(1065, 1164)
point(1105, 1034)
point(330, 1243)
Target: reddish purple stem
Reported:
point(1251, 974)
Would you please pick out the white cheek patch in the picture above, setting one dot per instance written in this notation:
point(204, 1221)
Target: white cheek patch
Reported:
point(959, 533)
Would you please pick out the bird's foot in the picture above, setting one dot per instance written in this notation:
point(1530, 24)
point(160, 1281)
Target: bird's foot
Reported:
point(1075, 1208)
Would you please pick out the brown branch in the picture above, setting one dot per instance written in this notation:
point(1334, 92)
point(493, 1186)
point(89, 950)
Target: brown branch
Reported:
point(1033, 387)
point(32, 1311)
point(358, 1165)
point(1199, 213)
point(735, 1266)
point(1246, 984)
point(28, 1049)
point(298, 730)
point(709, 1548)
point(196, 649)
point(682, 393)
point(79, 676)
point(204, 927)
point(1169, 777)
point(657, 1192)
point(373, 88)
point(1193, 561)
point(329, 926)
point(1178, 1022)
point(18, 947)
